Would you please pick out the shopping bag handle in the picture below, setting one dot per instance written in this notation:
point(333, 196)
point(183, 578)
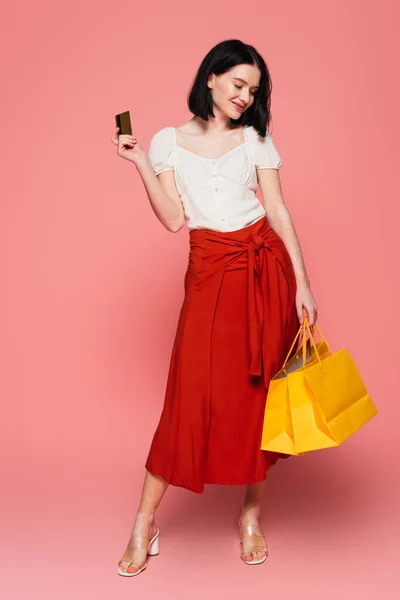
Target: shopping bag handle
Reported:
point(313, 343)
point(309, 327)
point(302, 329)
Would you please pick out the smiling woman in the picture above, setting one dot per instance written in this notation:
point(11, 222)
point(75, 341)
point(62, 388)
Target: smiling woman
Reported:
point(245, 290)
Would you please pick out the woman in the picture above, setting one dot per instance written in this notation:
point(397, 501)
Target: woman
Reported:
point(245, 289)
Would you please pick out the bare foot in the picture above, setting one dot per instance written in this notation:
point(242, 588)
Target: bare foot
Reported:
point(252, 538)
point(135, 554)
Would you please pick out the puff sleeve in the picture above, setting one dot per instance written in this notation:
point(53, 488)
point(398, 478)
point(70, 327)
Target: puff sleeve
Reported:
point(161, 151)
point(265, 154)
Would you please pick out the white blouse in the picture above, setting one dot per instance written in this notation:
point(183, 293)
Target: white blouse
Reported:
point(216, 193)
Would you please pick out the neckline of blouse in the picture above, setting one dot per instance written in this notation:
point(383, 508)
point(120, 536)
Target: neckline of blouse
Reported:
point(219, 157)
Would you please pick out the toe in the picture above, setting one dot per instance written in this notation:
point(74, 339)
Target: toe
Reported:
point(128, 567)
point(123, 565)
point(247, 557)
point(132, 568)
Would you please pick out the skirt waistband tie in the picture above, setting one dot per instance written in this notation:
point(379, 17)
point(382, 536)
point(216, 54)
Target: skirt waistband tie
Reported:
point(257, 282)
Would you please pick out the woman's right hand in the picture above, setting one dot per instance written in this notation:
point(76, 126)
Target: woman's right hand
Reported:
point(128, 147)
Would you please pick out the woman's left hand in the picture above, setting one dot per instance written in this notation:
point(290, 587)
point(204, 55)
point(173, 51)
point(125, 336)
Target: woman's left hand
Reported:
point(304, 298)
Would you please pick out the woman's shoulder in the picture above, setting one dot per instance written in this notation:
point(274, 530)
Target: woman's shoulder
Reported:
point(188, 127)
point(161, 150)
point(165, 135)
point(263, 149)
point(254, 135)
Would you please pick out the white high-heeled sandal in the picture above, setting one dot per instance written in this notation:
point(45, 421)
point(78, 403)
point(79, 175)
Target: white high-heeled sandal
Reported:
point(140, 543)
point(252, 531)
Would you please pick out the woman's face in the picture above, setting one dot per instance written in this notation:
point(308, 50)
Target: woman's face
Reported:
point(233, 91)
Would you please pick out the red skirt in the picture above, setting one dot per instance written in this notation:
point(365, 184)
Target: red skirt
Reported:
point(236, 325)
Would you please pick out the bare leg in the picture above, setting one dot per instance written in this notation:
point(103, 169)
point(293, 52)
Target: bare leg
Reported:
point(153, 491)
point(250, 515)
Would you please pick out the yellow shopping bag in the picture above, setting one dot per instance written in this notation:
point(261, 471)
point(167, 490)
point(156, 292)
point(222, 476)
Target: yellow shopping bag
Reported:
point(314, 402)
point(278, 434)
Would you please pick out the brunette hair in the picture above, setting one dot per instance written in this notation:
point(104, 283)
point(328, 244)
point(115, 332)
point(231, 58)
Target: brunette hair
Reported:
point(220, 59)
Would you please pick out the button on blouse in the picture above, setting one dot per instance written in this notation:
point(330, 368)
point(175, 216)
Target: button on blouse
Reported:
point(216, 193)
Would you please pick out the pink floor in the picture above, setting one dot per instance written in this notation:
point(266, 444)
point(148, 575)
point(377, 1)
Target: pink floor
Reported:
point(331, 527)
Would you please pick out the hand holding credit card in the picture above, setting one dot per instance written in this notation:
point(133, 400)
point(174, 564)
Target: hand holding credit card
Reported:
point(122, 137)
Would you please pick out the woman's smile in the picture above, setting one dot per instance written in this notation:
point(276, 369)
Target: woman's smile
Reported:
point(238, 106)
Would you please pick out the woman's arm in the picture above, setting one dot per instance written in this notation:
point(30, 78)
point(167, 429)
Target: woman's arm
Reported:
point(161, 189)
point(163, 195)
point(281, 221)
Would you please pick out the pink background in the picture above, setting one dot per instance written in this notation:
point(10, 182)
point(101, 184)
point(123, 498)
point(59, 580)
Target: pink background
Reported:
point(92, 286)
